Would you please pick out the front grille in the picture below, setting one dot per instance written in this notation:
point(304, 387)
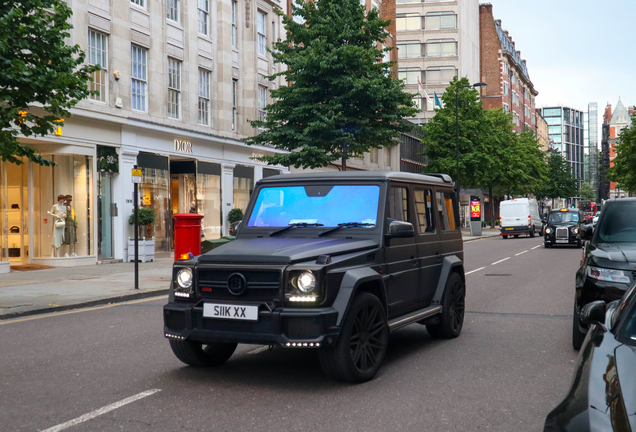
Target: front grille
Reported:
point(262, 285)
point(562, 233)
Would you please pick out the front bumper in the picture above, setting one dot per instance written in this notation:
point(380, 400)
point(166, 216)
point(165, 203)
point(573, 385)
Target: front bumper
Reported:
point(515, 230)
point(572, 239)
point(281, 326)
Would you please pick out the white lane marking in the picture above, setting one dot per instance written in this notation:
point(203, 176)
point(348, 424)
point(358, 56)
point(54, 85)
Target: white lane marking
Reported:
point(100, 411)
point(258, 350)
point(497, 262)
point(536, 246)
point(520, 253)
point(473, 271)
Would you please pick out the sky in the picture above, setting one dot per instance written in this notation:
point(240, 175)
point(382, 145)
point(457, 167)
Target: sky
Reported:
point(577, 51)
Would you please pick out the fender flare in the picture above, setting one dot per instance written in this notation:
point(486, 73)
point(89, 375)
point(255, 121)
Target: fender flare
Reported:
point(450, 263)
point(349, 286)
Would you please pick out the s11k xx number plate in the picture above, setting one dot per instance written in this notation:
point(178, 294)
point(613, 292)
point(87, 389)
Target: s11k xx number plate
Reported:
point(228, 311)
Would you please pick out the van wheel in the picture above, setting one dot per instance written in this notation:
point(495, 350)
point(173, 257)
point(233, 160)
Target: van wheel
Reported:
point(505, 237)
point(193, 354)
point(362, 344)
point(453, 304)
point(532, 233)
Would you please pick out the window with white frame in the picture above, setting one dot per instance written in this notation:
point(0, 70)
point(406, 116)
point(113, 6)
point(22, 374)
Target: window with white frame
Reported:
point(234, 104)
point(418, 103)
point(262, 103)
point(506, 107)
point(440, 20)
point(234, 24)
point(174, 88)
point(441, 48)
point(409, 50)
point(203, 16)
point(262, 33)
point(141, 3)
point(409, 1)
point(506, 88)
point(505, 68)
point(534, 119)
point(375, 4)
point(98, 55)
point(204, 97)
point(440, 74)
point(410, 75)
point(139, 75)
point(408, 22)
point(174, 10)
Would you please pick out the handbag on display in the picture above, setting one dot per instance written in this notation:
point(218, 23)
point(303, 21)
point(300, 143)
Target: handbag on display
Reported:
point(14, 229)
point(59, 223)
point(14, 252)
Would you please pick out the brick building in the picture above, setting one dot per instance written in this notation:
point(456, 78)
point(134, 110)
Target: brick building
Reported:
point(505, 72)
point(616, 122)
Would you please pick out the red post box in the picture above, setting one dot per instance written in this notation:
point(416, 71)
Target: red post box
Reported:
point(187, 234)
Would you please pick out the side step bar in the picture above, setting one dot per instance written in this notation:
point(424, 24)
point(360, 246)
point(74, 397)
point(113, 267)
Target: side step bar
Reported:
point(403, 321)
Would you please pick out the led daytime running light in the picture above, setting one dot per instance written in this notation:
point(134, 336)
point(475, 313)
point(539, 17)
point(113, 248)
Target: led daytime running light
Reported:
point(302, 299)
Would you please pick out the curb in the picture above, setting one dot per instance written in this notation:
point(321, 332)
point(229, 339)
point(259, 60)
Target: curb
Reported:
point(479, 238)
point(119, 299)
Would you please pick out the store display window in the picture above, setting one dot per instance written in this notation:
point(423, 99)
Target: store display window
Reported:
point(154, 193)
point(243, 186)
point(209, 199)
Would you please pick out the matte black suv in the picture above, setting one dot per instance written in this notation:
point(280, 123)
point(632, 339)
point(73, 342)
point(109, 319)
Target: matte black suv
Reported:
point(563, 228)
point(325, 261)
point(608, 266)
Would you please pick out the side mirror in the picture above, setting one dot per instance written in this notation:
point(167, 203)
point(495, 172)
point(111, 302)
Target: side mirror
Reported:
point(586, 233)
point(594, 313)
point(399, 229)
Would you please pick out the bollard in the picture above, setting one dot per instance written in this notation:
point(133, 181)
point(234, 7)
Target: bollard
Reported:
point(187, 235)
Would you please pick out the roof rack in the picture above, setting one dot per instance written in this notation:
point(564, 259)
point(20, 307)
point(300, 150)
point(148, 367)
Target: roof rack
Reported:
point(444, 177)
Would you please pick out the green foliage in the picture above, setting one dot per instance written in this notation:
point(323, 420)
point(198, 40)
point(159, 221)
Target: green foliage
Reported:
point(341, 98)
point(145, 216)
point(41, 75)
point(586, 192)
point(235, 215)
point(559, 183)
point(624, 170)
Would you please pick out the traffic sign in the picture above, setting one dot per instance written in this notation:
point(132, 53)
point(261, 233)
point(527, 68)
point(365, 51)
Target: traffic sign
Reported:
point(136, 175)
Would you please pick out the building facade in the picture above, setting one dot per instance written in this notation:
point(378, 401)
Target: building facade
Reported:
point(591, 150)
point(505, 72)
point(619, 120)
point(178, 82)
point(565, 127)
point(542, 131)
point(436, 40)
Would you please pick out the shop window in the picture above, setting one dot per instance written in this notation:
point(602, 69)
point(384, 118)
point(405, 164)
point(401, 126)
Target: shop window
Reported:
point(154, 194)
point(209, 199)
point(98, 55)
point(63, 197)
point(243, 186)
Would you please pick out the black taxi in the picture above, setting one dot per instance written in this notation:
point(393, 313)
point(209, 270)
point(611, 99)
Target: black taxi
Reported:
point(563, 227)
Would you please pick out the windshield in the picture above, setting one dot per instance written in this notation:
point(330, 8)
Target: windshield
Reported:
point(563, 217)
point(618, 224)
point(327, 205)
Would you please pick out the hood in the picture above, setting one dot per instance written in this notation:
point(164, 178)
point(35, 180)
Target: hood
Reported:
point(623, 254)
point(283, 250)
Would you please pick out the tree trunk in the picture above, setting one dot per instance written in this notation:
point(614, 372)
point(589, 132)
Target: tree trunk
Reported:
point(344, 157)
point(492, 207)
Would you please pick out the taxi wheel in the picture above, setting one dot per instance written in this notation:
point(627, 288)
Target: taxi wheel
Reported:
point(516, 236)
point(192, 353)
point(547, 245)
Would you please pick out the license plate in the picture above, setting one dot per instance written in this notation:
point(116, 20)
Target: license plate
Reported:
point(228, 311)
point(563, 241)
point(509, 228)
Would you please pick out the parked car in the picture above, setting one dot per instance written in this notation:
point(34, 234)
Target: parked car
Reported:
point(602, 396)
point(519, 216)
point(596, 217)
point(563, 228)
point(608, 266)
point(326, 261)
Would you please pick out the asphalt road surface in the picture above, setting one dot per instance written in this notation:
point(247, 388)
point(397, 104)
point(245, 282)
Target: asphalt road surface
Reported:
point(110, 369)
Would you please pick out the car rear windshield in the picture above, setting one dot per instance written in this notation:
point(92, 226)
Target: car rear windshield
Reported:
point(563, 217)
point(318, 205)
point(513, 210)
point(618, 224)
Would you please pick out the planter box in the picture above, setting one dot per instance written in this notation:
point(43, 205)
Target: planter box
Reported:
point(146, 250)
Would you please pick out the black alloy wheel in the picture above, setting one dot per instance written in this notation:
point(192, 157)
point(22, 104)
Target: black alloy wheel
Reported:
point(453, 307)
point(577, 335)
point(362, 345)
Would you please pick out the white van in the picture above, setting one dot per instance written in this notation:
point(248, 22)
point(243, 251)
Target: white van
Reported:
point(519, 216)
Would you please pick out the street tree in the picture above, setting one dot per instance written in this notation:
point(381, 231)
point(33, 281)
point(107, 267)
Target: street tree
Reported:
point(341, 98)
point(559, 183)
point(624, 170)
point(42, 77)
point(586, 192)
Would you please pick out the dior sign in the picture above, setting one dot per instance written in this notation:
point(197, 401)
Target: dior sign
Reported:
point(183, 146)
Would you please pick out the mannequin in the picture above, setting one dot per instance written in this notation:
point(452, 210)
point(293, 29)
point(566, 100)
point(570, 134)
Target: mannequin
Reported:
point(70, 229)
point(58, 211)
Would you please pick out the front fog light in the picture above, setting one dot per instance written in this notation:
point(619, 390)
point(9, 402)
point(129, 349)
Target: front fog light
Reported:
point(306, 282)
point(184, 278)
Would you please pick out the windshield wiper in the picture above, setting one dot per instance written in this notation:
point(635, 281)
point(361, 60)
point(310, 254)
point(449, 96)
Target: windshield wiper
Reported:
point(296, 225)
point(346, 224)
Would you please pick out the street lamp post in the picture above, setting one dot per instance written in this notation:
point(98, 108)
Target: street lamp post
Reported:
point(479, 84)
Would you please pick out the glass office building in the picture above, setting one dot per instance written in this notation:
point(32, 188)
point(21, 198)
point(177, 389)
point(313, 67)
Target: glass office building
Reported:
point(565, 128)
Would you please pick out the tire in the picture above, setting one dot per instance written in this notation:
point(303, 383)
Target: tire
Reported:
point(362, 345)
point(547, 245)
point(453, 305)
point(579, 244)
point(505, 237)
point(532, 233)
point(193, 354)
point(577, 336)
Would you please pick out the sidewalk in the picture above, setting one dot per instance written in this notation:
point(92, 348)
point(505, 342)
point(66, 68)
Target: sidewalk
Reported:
point(33, 292)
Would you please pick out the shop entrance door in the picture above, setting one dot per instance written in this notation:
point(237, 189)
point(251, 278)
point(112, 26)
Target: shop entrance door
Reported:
point(18, 213)
point(105, 216)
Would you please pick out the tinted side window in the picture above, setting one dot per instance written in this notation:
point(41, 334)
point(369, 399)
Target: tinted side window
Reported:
point(446, 210)
point(424, 210)
point(398, 205)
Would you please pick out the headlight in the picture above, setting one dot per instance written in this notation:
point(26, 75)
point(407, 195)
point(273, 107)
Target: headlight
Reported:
point(184, 278)
point(548, 230)
point(608, 275)
point(575, 230)
point(306, 282)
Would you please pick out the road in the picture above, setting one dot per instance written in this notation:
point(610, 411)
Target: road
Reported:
point(109, 368)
